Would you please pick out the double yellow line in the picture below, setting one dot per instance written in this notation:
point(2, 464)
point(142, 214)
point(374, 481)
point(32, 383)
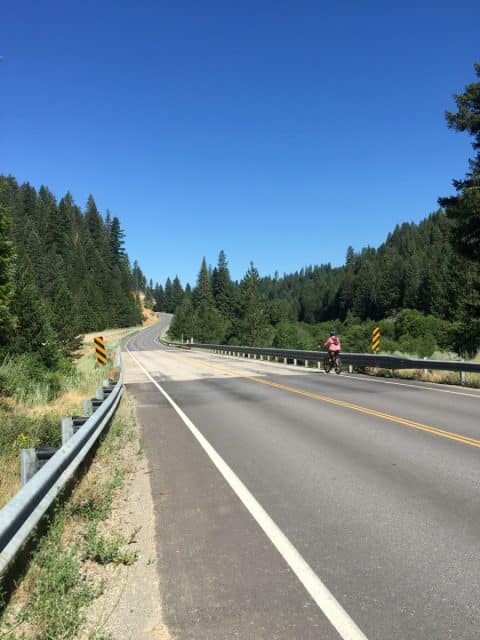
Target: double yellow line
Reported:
point(436, 431)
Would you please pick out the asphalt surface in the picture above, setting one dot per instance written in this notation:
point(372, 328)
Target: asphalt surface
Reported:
point(375, 483)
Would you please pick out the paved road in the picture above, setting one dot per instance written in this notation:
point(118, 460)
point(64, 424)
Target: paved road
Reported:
point(375, 484)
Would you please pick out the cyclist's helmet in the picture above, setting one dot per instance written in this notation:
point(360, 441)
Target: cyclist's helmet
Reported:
point(333, 333)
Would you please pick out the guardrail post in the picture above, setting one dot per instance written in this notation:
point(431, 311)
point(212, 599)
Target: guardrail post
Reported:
point(70, 426)
point(91, 405)
point(284, 361)
point(350, 368)
point(319, 366)
point(295, 361)
point(33, 459)
point(463, 375)
point(306, 363)
point(108, 386)
point(117, 361)
point(28, 463)
point(425, 371)
point(67, 429)
point(87, 407)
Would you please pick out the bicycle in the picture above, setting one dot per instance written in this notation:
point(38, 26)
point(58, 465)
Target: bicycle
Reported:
point(332, 362)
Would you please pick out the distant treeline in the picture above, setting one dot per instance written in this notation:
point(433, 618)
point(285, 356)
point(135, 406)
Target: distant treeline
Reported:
point(416, 269)
point(63, 272)
point(422, 283)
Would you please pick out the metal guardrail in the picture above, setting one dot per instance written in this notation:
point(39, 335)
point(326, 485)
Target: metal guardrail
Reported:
point(355, 359)
point(21, 514)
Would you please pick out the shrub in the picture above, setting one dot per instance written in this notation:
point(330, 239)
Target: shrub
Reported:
point(28, 380)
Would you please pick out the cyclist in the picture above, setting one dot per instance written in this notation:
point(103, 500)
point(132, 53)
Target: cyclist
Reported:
point(333, 347)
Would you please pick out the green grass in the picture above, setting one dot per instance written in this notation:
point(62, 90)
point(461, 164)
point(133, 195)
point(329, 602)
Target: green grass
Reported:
point(22, 431)
point(61, 589)
point(106, 549)
point(57, 588)
point(33, 400)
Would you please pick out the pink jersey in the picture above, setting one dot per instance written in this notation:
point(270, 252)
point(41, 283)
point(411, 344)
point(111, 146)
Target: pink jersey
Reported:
point(333, 344)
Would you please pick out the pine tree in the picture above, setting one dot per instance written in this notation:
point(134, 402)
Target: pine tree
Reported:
point(176, 294)
point(95, 224)
point(117, 242)
point(183, 324)
point(167, 297)
point(6, 288)
point(463, 210)
point(34, 331)
point(222, 287)
point(209, 326)
point(159, 297)
point(202, 293)
point(65, 321)
point(253, 326)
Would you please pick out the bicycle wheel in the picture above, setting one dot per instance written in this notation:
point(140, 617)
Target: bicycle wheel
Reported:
point(338, 365)
point(327, 365)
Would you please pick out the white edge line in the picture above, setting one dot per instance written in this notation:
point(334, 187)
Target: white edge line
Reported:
point(325, 600)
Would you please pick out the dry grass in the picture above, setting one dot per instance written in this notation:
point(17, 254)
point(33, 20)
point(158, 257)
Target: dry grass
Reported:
point(9, 480)
point(434, 376)
point(113, 337)
point(429, 375)
point(95, 501)
point(69, 403)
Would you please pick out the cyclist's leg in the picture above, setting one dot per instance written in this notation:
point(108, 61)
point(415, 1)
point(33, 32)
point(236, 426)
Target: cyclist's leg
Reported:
point(338, 362)
point(327, 362)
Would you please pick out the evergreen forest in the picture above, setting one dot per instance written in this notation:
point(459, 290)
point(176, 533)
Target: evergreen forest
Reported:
point(421, 286)
point(63, 272)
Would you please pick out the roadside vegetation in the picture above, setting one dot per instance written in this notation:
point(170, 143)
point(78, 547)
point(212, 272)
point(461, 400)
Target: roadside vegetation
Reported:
point(64, 272)
point(64, 575)
point(33, 401)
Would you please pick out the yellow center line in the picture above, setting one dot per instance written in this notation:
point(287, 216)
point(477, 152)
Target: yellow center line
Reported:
point(443, 433)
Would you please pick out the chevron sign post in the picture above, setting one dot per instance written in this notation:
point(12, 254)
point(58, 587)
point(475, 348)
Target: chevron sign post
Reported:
point(376, 339)
point(100, 349)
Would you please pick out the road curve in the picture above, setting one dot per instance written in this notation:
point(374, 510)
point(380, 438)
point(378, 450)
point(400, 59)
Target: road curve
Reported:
point(374, 483)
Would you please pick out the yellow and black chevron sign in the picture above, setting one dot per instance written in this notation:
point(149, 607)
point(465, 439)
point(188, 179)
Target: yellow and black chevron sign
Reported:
point(100, 349)
point(376, 339)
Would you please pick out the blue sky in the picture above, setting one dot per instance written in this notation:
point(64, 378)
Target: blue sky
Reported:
point(280, 132)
